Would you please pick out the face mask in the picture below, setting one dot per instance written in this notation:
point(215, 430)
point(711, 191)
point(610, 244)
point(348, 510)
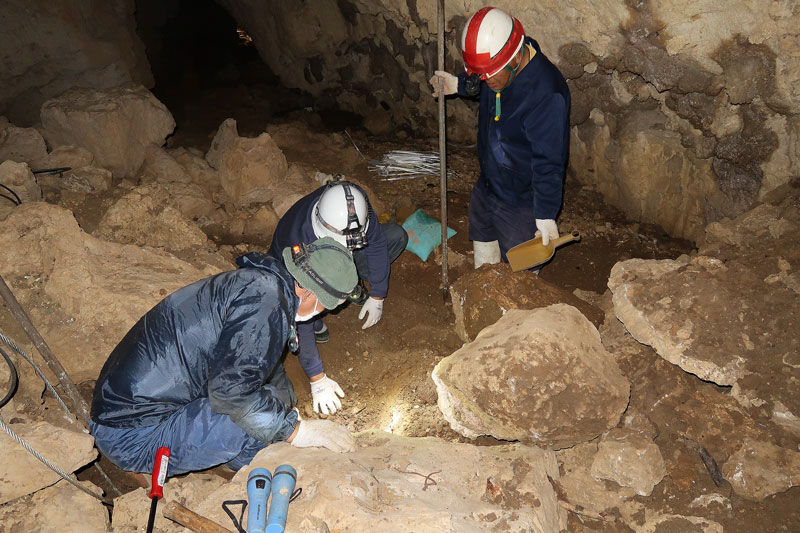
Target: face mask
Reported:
point(303, 318)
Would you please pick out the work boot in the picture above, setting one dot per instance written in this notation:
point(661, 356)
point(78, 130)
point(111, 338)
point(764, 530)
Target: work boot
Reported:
point(361, 295)
point(322, 336)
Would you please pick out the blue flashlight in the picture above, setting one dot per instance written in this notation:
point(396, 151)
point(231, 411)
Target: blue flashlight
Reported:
point(283, 484)
point(258, 483)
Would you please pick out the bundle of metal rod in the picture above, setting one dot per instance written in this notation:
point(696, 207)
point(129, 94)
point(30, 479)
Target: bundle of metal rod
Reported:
point(406, 164)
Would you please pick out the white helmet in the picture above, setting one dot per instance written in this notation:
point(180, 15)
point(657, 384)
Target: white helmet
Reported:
point(342, 212)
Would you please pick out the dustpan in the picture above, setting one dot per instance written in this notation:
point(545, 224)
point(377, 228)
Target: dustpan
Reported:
point(533, 253)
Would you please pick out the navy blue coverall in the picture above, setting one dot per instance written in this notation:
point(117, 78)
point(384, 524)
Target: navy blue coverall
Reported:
point(201, 373)
point(385, 242)
point(523, 154)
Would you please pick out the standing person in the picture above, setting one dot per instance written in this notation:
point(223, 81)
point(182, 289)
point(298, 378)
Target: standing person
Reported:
point(523, 133)
point(201, 372)
point(340, 210)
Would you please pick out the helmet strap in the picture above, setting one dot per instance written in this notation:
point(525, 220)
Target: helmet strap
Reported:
point(354, 234)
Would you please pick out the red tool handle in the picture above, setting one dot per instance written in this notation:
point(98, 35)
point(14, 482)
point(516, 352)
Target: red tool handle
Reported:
point(159, 472)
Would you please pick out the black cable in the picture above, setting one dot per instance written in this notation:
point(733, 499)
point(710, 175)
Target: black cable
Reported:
point(9, 199)
point(58, 170)
point(14, 379)
point(17, 201)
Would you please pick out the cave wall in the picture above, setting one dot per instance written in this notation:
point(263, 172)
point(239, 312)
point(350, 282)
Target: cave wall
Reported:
point(683, 112)
point(50, 46)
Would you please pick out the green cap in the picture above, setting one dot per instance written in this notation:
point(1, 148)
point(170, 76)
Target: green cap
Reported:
point(325, 261)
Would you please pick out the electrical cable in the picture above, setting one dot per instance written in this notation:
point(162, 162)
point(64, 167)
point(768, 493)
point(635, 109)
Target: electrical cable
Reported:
point(18, 201)
point(14, 380)
point(12, 389)
point(37, 370)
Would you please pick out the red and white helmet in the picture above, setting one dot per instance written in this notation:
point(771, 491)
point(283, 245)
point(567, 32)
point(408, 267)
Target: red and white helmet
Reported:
point(490, 40)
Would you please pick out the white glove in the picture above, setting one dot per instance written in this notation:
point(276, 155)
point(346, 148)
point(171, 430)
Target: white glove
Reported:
point(546, 227)
point(323, 395)
point(374, 308)
point(324, 434)
point(450, 83)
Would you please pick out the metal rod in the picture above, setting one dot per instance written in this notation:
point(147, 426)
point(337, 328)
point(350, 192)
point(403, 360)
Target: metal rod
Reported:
point(442, 153)
point(55, 365)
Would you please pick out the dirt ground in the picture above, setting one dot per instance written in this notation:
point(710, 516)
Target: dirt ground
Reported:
point(385, 370)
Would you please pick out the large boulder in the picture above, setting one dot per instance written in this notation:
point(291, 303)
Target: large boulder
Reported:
point(420, 485)
point(117, 125)
point(251, 170)
point(49, 47)
point(533, 376)
point(82, 293)
point(708, 314)
point(480, 297)
point(21, 473)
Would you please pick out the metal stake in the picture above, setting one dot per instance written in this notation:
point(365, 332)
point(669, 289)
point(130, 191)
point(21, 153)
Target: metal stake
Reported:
point(442, 150)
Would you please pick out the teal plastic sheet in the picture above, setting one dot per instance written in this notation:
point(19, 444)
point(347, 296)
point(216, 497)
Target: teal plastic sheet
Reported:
point(424, 233)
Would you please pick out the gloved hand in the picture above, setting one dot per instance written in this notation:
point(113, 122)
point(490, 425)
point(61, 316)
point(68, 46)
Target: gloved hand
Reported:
point(325, 434)
point(323, 395)
point(546, 227)
point(374, 307)
point(450, 83)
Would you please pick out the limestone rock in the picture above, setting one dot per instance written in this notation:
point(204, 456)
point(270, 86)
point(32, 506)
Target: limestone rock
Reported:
point(662, 310)
point(61, 507)
point(117, 125)
point(673, 522)
point(190, 490)
point(484, 295)
point(69, 156)
point(708, 315)
point(281, 204)
point(251, 170)
point(393, 483)
point(19, 178)
point(581, 488)
point(142, 218)
point(533, 376)
point(22, 145)
point(21, 473)
point(82, 293)
point(629, 460)
point(198, 169)
point(759, 469)
point(52, 47)
point(88, 179)
point(160, 166)
point(226, 135)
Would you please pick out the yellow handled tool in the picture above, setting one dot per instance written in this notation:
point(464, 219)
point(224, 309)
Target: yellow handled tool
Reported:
point(533, 253)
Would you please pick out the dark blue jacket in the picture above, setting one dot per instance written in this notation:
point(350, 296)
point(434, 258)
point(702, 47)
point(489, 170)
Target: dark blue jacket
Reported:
point(220, 338)
point(523, 155)
point(295, 227)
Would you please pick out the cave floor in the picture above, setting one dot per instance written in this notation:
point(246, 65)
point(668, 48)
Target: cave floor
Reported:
point(385, 370)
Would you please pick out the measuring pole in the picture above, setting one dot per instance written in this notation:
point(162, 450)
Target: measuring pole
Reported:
point(442, 153)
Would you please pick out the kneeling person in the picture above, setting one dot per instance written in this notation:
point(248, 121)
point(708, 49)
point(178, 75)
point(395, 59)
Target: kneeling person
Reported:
point(201, 372)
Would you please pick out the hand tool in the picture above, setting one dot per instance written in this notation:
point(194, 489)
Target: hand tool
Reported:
point(283, 482)
point(191, 520)
point(157, 488)
point(533, 253)
point(258, 484)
